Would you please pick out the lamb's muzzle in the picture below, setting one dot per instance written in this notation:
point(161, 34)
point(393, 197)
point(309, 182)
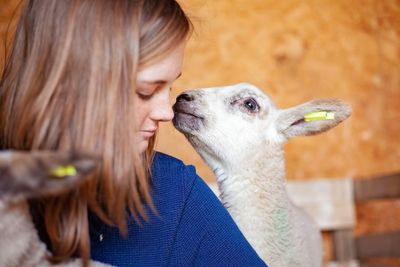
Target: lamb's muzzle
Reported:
point(187, 115)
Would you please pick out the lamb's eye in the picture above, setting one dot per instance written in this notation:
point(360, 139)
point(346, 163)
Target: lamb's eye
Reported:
point(251, 105)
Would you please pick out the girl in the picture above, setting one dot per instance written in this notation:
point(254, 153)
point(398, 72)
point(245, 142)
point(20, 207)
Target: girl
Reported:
point(96, 75)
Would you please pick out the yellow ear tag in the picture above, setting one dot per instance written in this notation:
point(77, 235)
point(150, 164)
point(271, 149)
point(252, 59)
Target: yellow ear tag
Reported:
point(319, 116)
point(68, 170)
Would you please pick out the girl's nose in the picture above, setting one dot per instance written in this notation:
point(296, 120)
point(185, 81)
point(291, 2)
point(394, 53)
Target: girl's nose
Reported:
point(162, 110)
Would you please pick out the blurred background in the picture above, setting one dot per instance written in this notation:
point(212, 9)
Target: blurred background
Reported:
point(297, 51)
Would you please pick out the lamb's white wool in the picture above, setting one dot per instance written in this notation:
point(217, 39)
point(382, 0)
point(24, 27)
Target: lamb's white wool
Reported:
point(240, 134)
point(23, 175)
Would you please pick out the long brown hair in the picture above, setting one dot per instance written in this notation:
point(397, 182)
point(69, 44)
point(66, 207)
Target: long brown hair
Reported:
point(67, 85)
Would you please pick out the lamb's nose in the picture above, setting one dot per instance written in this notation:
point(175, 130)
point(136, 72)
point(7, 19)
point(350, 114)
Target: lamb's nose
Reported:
point(184, 97)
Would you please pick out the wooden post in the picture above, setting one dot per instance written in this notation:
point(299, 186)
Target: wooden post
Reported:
point(344, 245)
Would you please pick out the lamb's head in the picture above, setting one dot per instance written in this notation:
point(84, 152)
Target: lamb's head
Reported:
point(233, 123)
point(36, 173)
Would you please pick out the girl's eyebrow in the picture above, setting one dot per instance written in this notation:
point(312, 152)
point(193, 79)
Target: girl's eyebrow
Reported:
point(158, 82)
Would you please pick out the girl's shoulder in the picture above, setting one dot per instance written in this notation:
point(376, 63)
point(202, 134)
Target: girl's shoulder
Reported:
point(164, 162)
point(172, 182)
point(170, 173)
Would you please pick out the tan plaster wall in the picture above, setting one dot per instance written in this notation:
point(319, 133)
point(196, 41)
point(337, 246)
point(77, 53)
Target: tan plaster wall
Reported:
point(299, 50)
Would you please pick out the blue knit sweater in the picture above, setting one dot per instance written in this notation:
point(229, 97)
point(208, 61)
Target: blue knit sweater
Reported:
point(192, 228)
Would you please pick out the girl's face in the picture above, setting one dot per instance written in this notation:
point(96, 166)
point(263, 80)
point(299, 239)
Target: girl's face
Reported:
point(152, 97)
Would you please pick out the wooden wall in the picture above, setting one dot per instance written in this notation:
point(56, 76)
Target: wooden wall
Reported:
point(296, 51)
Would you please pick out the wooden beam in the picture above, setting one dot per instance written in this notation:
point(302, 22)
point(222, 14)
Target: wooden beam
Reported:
point(378, 245)
point(329, 201)
point(352, 263)
point(387, 186)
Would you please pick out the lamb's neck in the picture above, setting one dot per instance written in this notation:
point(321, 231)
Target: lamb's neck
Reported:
point(261, 174)
point(255, 189)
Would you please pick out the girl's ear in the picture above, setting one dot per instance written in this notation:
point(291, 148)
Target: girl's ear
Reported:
point(311, 118)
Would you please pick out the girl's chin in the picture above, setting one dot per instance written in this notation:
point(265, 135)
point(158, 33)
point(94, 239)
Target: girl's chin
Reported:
point(142, 145)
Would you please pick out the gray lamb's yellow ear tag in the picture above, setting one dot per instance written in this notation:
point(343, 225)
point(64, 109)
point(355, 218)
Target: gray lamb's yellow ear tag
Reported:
point(319, 116)
point(62, 171)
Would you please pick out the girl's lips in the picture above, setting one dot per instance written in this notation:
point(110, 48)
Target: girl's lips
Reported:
point(147, 133)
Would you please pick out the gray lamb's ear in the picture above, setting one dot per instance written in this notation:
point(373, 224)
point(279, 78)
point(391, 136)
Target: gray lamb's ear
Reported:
point(313, 117)
point(32, 174)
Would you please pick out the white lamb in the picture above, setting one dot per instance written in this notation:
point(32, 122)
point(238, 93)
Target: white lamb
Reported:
point(240, 134)
point(31, 174)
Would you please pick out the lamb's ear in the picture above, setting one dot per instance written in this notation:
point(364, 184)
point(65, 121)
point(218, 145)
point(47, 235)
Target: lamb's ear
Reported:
point(298, 120)
point(32, 174)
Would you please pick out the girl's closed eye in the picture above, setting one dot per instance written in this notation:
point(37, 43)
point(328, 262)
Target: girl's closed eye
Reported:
point(144, 96)
point(145, 93)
